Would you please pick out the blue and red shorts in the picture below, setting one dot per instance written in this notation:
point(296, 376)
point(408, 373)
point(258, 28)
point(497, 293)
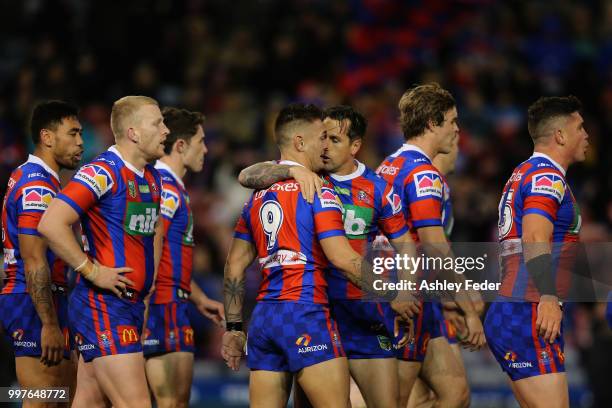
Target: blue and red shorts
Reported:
point(288, 336)
point(362, 328)
point(103, 324)
point(442, 326)
point(425, 329)
point(22, 325)
point(510, 329)
point(168, 329)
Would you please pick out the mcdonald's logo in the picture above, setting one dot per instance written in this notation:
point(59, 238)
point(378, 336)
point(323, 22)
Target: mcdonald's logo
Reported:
point(127, 335)
point(188, 335)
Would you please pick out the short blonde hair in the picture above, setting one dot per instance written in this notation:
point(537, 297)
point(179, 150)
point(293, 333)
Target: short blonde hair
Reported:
point(123, 109)
point(422, 104)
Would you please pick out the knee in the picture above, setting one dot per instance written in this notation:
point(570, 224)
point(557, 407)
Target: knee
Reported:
point(458, 397)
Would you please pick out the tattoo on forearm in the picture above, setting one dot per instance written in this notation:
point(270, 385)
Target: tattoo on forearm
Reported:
point(233, 297)
point(263, 175)
point(38, 282)
point(361, 278)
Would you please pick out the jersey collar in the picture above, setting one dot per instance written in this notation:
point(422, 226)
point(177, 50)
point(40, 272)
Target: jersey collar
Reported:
point(113, 149)
point(547, 157)
point(406, 147)
point(290, 163)
point(160, 165)
point(41, 162)
point(360, 170)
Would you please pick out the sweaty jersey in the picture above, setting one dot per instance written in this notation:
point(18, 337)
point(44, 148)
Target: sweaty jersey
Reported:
point(31, 188)
point(537, 186)
point(370, 205)
point(174, 272)
point(419, 185)
point(119, 206)
point(286, 231)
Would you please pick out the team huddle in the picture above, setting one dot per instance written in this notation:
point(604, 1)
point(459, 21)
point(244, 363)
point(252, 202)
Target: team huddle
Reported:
point(308, 225)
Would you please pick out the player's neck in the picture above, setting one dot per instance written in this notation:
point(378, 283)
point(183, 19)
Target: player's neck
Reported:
point(557, 156)
point(47, 156)
point(176, 164)
point(131, 156)
point(298, 158)
point(347, 168)
point(425, 144)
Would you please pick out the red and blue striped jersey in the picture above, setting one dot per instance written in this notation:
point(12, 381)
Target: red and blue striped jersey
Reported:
point(286, 231)
point(448, 219)
point(174, 271)
point(31, 188)
point(119, 206)
point(370, 205)
point(537, 186)
point(419, 185)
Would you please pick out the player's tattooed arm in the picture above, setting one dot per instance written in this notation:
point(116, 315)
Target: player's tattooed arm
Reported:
point(241, 254)
point(263, 175)
point(38, 277)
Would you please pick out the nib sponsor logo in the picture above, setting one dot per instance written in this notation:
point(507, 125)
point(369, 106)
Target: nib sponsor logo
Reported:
point(304, 341)
point(428, 183)
point(37, 198)
point(549, 184)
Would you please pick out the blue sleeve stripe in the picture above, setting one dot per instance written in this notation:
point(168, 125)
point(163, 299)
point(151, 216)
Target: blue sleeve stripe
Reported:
point(69, 201)
point(431, 222)
point(398, 233)
point(244, 237)
point(329, 234)
point(539, 212)
point(28, 231)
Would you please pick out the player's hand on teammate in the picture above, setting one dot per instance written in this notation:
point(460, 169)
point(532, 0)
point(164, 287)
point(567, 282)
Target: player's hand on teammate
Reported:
point(213, 310)
point(456, 319)
point(475, 338)
point(408, 326)
point(310, 183)
point(110, 278)
point(549, 318)
point(406, 309)
point(232, 348)
point(52, 344)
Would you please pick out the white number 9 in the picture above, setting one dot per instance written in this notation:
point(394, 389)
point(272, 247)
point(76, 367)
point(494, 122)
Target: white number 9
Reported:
point(271, 218)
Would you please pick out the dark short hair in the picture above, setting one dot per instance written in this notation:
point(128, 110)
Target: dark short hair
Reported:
point(422, 104)
point(49, 115)
point(183, 124)
point(292, 114)
point(359, 124)
point(545, 109)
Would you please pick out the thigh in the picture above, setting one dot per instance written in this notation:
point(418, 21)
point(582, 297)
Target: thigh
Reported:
point(441, 369)
point(548, 390)
point(408, 372)
point(122, 378)
point(269, 389)
point(377, 380)
point(170, 376)
point(326, 384)
point(88, 392)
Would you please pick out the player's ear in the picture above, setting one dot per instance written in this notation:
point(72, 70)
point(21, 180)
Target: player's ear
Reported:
point(560, 137)
point(47, 137)
point(355, 146)
point(132, 135)
point(298, 142)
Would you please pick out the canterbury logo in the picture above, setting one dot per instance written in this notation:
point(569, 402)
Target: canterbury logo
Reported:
point(303, 340)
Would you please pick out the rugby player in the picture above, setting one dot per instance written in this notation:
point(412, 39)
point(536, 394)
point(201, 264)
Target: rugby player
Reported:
point(34, 303)
point(539, 222)
point(369, 204)
point(291, 329)
point(428, 118)
point(116, 198)
point(168, 339)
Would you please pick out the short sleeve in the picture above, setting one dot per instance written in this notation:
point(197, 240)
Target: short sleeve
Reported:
point(87, 187)
point(423, 192)
point(242, 230)
point(32, 201)
point(327, 211)
point(543, 193)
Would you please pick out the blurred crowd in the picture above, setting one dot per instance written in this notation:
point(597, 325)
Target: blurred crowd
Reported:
point(240, 62)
